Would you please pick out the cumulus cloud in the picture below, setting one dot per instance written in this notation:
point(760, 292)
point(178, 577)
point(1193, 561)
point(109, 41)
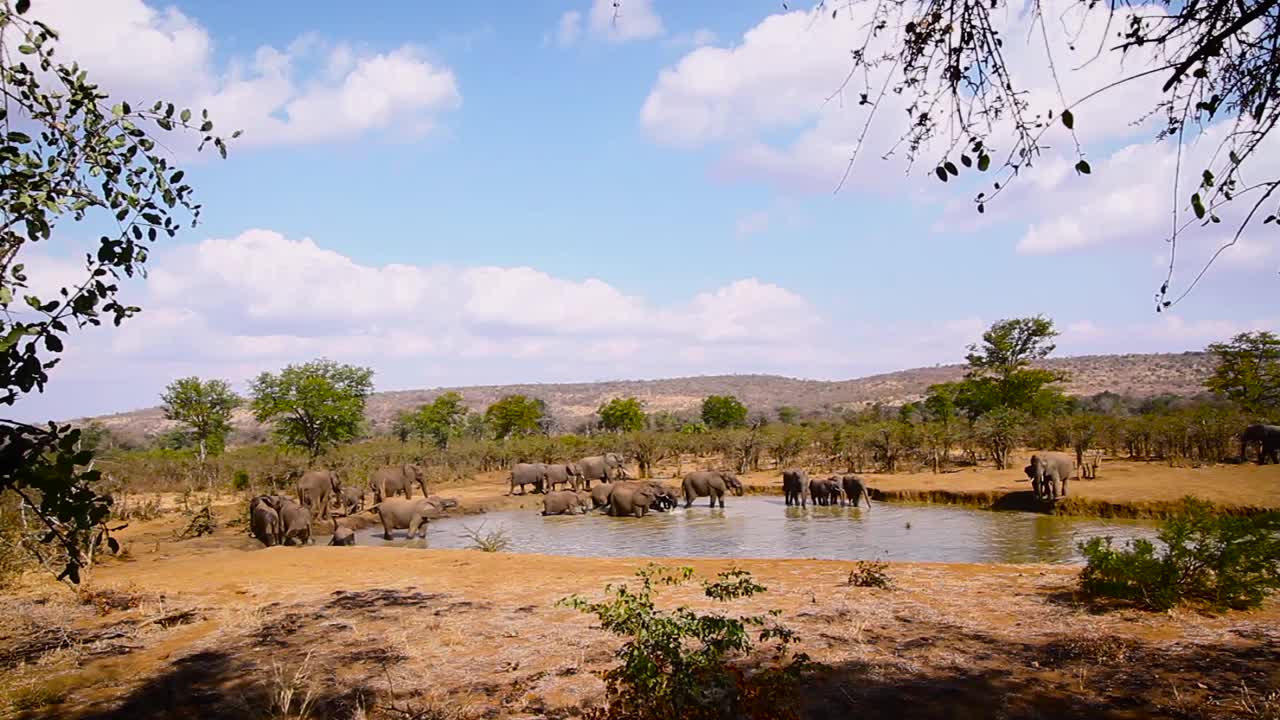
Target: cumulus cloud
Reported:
point(616, 22)
point(309, 91)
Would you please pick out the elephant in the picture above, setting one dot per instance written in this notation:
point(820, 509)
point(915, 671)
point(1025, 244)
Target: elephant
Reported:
point(563, 502)
point(351, 499)
point(566, 474)
point(405, 513)
point(295, 522)
point(1268, 439)
point(393, 480)
point(709, 483)
point(605, 468)
point(342, 536)
point(534, 474)
point(663, 497)
point(630, 498)
point(825, 492)
point(316, 488)
point(795, 486)
point(1049, 471)
point(855, 490)
point(600, 495)
point(264, 519)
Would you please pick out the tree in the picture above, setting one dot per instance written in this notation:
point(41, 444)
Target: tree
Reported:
point(204, 407)
point(622, 415)
point(66, 152)
point(438, 421)
point(945, 65)
point(723, 411)
point(1000, 372)
point(314, 406)
point(787, 415)
point(514, 416)
point(1247, 371)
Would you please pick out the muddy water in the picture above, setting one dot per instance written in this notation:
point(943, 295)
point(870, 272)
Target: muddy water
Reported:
point(753, 527)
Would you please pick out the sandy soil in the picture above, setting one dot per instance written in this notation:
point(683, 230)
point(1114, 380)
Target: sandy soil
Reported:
point(217, 627)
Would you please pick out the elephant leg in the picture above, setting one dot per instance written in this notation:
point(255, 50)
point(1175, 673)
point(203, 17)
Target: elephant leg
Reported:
point(386, 530)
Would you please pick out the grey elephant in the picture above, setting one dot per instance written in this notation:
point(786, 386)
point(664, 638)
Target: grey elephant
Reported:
point(295, 523)
point(407, 514)
point(825, 491)
point(394, 480)
point(600, 495)
point(534, 474)
point(1267, 437)
point(704, 483)
point(351, 499)
point(1049, 474)
point(795, 486)
point(588, 502)
point(631, 499)
point(566, 474)
point(264, 519)
point(664, 498)
point(605, 468)
point(855, 489)
point(563, 502)
point(316, 488)
point(342, 536)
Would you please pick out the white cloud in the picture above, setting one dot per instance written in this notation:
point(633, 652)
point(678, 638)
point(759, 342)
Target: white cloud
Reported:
point(570, 27)
point(309, 91)
point(752, 223)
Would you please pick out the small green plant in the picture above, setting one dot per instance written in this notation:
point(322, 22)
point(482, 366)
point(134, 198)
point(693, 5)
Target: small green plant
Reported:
point(492, 541)
point(1221, 561)
point(201, 521)
point(871, 573)
point(240, 481)
point(686, 664)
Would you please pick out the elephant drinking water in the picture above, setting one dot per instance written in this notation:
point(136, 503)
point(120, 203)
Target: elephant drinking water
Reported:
point(795, 485)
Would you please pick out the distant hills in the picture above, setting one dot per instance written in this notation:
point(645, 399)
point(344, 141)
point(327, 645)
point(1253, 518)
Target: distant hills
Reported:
point(572, 403)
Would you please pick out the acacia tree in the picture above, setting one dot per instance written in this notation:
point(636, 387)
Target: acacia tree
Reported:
point(622, 415)
point(204, 407)
point(1247, 370)
point(314, 406)
point(66, 152)
point(515, 416)
point(723, 411)
point(439, 421)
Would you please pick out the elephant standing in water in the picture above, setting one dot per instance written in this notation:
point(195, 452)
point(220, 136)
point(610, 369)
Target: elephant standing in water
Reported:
point(631, 498)
point(342, 536)
point(706, 483)
point(351, 499)
point(411, 514)
point(1049, 471)
point(825, 492)
point(534, 474)
point(564, 502)
point(316, 488)
point(264, 519)
point(295, 523)
point(795, 486)
point(1267, 438)
point(394, 480)
point(855, 490)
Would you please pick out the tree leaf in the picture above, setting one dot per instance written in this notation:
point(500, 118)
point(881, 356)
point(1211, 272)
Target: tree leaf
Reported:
point(941, 172)
point(53, 343)
point(186, 115)
point(1083, 168)
point(1068, 119)
point(984, 162)
point(27, 49)
point(951, 167)
point(966, 160)
point(1197, 205)
point(22, 6)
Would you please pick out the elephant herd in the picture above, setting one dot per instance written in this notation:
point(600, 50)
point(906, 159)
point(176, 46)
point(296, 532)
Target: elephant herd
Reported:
point(279, 520)
point(835, 490)
point(546, 477)
point(635, 498)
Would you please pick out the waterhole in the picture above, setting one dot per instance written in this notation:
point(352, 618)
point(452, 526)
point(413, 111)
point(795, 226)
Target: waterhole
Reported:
point(754, 527)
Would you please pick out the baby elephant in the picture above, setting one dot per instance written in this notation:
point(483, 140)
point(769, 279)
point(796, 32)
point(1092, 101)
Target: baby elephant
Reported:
point(342, 536)
point(563, 502)
point(352, 499)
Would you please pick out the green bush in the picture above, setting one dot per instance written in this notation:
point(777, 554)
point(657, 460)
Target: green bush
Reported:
point(871, 573)
point(1220, 561)
point(685, 664)
point(240, 481)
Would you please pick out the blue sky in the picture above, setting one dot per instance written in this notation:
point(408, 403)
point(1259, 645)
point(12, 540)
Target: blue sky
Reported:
point(476, 193)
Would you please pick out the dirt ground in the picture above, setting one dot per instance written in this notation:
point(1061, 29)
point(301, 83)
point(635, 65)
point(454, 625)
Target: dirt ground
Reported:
point(218, 627)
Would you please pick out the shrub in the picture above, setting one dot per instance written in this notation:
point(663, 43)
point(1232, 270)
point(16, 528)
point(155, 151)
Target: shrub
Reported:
point(1221, 561)
point(201, 521)
point(492, 541)
point(686, 664)
point(871, 573)
point(240, 481)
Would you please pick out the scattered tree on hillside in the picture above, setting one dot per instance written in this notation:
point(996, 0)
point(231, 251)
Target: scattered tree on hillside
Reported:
point(787, 415)
point(515, 416)
point(723, 411)
point(314, 406)
point(622, 415)
point(66, 152)
point(204, 406)
point(1248, 372)
point(1000, 373)
point(436, 422)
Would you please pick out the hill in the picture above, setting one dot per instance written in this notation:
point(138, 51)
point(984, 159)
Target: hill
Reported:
point(573, 403)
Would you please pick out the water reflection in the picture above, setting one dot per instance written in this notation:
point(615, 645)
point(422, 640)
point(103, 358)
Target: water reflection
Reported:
point(767, 528)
